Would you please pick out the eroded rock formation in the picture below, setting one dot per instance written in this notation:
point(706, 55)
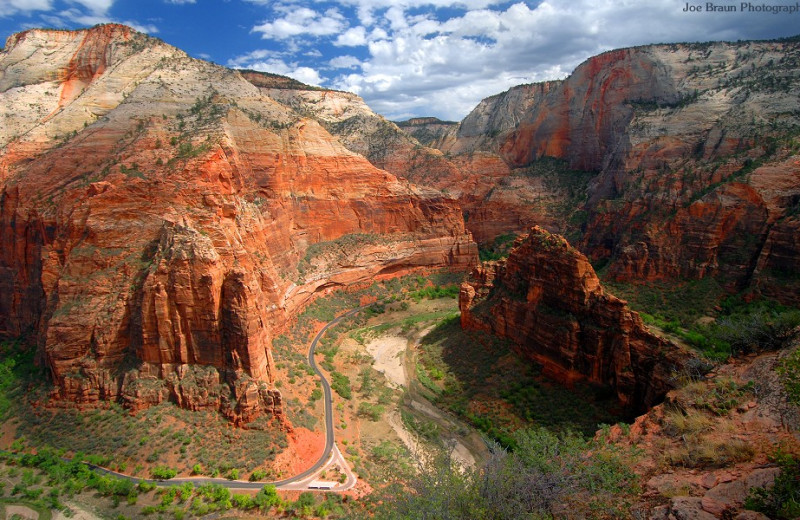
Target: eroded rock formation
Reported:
point(548, 301)
point(161, 217)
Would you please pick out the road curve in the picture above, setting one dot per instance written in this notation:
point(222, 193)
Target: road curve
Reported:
point(241, 484)
point(326, 388)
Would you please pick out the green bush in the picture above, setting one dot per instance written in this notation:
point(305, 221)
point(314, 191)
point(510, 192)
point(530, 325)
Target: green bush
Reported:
point(258, 475)
point(267, 497)
point(435, 292)
point(163, 473)
point(759, 329)
point(243, 502)
point(373, 412)
point(782, 500)
point(145, 486)
point(544, 473)
point(341, 384)
point(789, 371)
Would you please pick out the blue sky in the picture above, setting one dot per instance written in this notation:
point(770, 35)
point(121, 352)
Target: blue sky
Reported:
point(408, 57)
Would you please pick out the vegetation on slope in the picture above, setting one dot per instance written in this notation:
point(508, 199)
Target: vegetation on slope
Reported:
point(719, 327)
point(479, 378)
point(115, 439)
point(547, 475)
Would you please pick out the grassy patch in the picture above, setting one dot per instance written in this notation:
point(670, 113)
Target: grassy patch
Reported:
point(434, 292)
point(681, 302)
point(698, 426)
point(340, 383)
point(129, 443)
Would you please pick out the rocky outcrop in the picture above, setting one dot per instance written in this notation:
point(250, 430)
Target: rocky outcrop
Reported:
point(359, 129)
point(712, 441)
point(548, 301)
point(159, 226)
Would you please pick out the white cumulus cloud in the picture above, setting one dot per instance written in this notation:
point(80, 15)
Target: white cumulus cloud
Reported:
point(352, 37)
point(302, 21)
point(10, 7)
point(96, 6)
point(345, 62)
point(441, 57)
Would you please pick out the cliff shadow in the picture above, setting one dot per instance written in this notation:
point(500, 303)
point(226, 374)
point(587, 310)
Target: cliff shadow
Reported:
point(480, 378)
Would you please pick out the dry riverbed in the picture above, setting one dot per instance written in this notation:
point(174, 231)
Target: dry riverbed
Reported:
point(392, 348)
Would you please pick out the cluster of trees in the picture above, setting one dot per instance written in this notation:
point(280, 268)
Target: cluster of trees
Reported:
point(546, 475)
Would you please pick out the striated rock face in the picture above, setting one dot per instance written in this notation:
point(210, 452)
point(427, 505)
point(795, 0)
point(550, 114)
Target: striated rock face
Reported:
point(361, 130)
point(431, 131)
point(547, 299)
point(691, 154)
point(488, 125)
point(460, 160)
point(161, 217)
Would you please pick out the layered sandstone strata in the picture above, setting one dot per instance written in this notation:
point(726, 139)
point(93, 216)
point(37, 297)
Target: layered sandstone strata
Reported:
point(692, 159)
point(156, 212)
point(548, 301)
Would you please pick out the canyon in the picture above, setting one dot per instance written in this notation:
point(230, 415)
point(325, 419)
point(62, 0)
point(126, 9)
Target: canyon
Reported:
point(688, 153)
point(661, 162)
point(163, 218)
point(165, 221)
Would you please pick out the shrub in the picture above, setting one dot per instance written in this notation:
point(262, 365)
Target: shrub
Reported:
point(341, 384)
point(243, 502)
point(163, 473)
point(372, 411)
point(145, 486)
point(267, 497)
point(758, 331)
point(782, 500)
point(257, 475)
point(789, 371)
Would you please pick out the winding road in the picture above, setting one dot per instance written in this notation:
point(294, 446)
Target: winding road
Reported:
point(302, 481)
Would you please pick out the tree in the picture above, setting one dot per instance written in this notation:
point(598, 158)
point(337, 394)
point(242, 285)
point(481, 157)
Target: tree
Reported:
point(267, 498)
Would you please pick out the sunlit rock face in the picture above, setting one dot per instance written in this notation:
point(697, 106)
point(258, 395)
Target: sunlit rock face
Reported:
point(157, 214)
point(692, 159)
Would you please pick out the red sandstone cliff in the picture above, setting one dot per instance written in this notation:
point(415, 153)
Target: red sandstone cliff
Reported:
point(692, 159)
point(547, 299)
point(154, 210)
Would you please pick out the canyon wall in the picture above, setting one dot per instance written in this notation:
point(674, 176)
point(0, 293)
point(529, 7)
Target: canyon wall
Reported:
point(548, 301)
point(161, 218)
point(689, 154)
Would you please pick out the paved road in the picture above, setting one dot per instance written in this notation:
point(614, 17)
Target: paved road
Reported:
point(326, 389)
point(330, 455)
